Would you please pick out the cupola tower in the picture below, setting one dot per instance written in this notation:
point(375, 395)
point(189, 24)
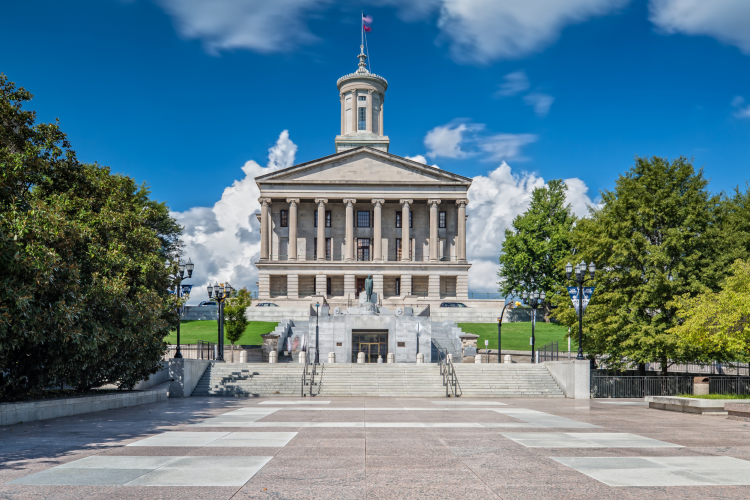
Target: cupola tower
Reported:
point(362, 94)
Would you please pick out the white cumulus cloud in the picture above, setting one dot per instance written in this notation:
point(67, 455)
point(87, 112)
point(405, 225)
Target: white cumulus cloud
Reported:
point(420, 159)
point(513, 83)
point(540, 102)
point(460, 139)
point(505, 146)
point(495, 200)
point(725, 20)
point(224, 240)
point(445, 140)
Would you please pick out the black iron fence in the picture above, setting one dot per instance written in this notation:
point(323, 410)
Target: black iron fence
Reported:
point(200, 350)
point(604, 386)
point(549, 352)
point(729, 385)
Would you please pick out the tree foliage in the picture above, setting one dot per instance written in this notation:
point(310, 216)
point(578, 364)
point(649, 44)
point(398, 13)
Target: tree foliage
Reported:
point(83, 283)
point(653, 239)
point(540, 237)
point(235, 320)
point(717, 324)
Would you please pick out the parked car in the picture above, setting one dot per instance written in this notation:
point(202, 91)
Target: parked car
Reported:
point(452, 304)
point(208, 303)
point(266, 304)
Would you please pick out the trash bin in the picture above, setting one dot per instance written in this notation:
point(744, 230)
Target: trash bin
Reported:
point(700, 386)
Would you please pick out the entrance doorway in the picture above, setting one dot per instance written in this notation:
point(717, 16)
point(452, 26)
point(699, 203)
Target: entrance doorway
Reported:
point(372, 343)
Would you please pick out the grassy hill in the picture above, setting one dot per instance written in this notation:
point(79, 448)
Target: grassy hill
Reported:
point(516, 335)
point(191, 331)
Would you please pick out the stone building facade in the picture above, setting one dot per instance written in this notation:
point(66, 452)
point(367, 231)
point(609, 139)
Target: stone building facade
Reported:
point(329, 223)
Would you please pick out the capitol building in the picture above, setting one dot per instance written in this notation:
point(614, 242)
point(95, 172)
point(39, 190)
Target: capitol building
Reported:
point(327, 224)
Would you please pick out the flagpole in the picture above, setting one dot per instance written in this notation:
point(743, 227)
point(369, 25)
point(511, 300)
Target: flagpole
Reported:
point(362, 27)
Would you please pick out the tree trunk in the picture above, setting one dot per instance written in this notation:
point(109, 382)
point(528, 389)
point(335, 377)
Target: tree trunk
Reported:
point(664, 366)
point(232, 353)
point(547, 313)
point(642, 369)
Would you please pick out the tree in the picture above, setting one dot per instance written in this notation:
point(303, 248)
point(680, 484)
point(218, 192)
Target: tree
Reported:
point(234, 316)
point(540, 237)
point(83, 282)
point(717, 324)
point(653, 239)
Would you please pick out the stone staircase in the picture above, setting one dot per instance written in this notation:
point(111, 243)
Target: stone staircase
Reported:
point(446, 335)
point(250, 380)
point(379, 380)
point(495, 380)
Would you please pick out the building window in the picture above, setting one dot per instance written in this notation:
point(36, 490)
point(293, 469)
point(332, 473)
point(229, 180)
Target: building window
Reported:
point(328, 248)
point(315, 248)
point(398, 249)
point(441, 220)
point(284, 218)
point(398, 286)
point(410, 212)
point(328, 285)
point(363, 249)
point(328, 218)
point(362, 118)
point(315, 224)
point(362, 98)
point(398, 219)
point(363, 219)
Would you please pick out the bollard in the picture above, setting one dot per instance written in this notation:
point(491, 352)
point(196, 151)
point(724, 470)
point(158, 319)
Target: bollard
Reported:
point(301, 357)
point(420, 357)
point(273, 357)
point(450, 358)
point(391, 358)
point(243, 356)
point(331, 357)
point(507, 359)
point(478, 358)
point(361, 357)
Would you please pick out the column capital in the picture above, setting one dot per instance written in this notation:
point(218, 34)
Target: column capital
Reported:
point(378, 201)
point(370, 91)
point(462, 202)
point(349, 201)
point(264, 201)
point(321, 200)
point(406, 201)
point(434, 201)
point(292, 201)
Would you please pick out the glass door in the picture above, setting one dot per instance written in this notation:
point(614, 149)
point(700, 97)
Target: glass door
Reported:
point(371, 352)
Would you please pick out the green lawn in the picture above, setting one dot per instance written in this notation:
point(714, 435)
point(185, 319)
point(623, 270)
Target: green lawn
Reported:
point(516, 335)
point(192, 331)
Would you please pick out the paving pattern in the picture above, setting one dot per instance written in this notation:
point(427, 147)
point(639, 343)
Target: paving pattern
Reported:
point(280, 448)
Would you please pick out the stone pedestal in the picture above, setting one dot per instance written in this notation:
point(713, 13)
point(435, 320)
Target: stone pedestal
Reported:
point(270, 344)
point(478, 358)
point(273, 357)
point(450, 358)
point(361, 357)
point(420, 358)
point(301, 357)
point(507, 359)
point(468, 340)
point(243, 356)
point(391, 358)
point(331, 357)
point(380, 359)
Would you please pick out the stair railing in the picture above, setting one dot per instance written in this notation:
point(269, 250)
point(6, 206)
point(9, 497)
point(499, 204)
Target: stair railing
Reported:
point(446, 370)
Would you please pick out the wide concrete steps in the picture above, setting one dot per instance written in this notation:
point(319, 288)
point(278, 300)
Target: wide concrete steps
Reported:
point(379, 380)
point(506, 381)
point(249, 380)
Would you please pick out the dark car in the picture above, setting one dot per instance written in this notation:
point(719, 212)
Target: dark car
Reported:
point(266, 304)
point(208, 303)
point(452, 304)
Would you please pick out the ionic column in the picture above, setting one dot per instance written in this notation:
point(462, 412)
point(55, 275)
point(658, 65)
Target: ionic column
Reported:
point(264, 229)
point(349, 235)
point(368, 118)
point(405, 233)
point(433, 229)
point(461, 250)
point(354, 111)
point(377, 244)
point(321, 227)
point(343, 113)
point(292, 228)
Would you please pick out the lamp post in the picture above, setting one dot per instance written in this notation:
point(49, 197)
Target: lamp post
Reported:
point(500, 326)
point(221, 293)
point(534, 299)
point(317, 348)
point(580, 278)
point(177, 282)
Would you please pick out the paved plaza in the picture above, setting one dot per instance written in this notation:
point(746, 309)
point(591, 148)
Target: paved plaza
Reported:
point(221, 448)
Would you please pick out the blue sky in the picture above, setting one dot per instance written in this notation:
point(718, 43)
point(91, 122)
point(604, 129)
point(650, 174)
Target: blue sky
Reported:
point(182, 94)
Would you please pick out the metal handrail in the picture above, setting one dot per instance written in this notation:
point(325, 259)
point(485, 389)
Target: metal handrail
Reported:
point(446, 370)
point(549, 352)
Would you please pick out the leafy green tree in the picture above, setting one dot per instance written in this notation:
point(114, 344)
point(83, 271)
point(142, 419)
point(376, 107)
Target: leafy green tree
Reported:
point(540, 237)
point(717, 324)
point(83, 282)
point(235, 320)
point(653, 239)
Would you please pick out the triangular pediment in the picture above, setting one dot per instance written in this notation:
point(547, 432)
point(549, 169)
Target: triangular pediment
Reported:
point(363, 166)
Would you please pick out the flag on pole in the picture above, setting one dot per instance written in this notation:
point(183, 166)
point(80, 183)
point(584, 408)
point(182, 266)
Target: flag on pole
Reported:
point(366, 28)
point(366, 19)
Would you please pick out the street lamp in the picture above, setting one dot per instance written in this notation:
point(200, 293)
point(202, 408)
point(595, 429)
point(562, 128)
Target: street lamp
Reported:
point(580, 278)
point(221, 293)
point(534, 299)
point(500, 326)
point(180, 291)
